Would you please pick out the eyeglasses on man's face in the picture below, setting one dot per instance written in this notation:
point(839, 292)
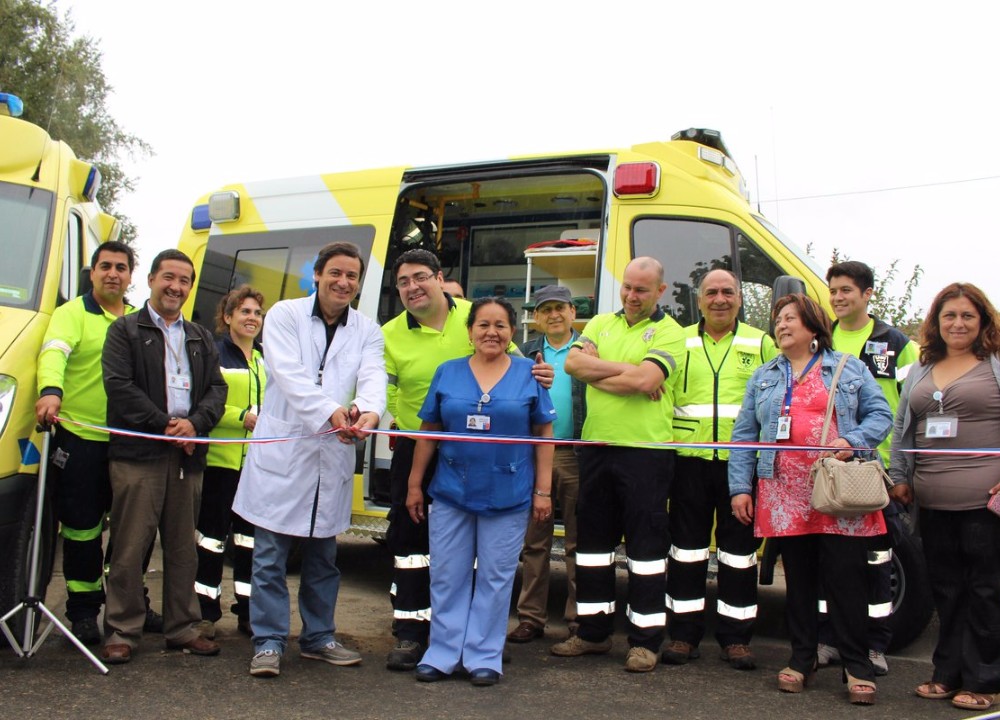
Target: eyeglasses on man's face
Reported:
point(419, 278)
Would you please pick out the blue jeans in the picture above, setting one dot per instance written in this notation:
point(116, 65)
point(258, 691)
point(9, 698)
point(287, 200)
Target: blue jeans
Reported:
point(318, 587)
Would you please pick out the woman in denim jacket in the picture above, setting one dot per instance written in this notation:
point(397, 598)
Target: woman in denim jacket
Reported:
point(786, 402)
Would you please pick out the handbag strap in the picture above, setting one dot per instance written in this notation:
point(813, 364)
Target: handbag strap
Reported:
point(830, 400)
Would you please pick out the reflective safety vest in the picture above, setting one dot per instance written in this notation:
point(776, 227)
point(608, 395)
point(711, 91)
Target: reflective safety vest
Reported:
point(711, 385)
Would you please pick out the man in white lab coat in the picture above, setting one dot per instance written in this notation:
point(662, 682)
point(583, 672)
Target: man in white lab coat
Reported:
point(325, 369)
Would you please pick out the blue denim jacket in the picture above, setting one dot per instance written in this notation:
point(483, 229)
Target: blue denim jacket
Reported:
point(863, 415)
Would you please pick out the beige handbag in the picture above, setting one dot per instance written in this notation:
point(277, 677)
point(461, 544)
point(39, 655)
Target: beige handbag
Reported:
point(846, 489)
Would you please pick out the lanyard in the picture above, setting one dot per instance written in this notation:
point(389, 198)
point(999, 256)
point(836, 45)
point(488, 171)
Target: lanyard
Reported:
point(787, 405)
point(173, 351)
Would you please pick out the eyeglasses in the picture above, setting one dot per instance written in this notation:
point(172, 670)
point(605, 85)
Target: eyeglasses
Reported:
point(549, 308)
point(403, 283)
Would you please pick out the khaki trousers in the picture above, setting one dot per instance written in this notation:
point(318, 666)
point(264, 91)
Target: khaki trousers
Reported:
point(147, 497)
point(532, 604)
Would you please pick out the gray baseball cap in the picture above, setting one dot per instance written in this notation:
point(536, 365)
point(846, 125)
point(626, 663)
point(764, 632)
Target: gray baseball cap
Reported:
point(550, 293)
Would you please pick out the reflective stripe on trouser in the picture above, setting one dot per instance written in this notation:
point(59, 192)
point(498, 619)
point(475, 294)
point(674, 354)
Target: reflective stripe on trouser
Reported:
point(879, 575)
point(700, 494)
point(410, 547)
point(623, 491)
point(215, 522)
point(82, 493)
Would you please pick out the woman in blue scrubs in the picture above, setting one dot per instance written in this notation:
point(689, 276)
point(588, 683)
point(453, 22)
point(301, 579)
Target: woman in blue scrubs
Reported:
point(483, 493)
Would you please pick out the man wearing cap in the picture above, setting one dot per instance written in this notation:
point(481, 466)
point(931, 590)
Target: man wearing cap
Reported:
point(628, 360)
point(554, 313)
point(722, 353)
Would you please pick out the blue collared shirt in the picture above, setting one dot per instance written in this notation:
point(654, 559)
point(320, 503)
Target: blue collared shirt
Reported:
point(175, 362)
point(561, 391)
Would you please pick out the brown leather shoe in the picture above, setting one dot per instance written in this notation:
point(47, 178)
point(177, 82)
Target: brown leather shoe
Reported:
point(525, 632)
point(678, 652)
point(196, 646)
point(116, 654)
point(739, 657)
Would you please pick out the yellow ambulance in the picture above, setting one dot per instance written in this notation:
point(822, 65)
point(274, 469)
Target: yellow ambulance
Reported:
point(502, 228)
point(51, 226)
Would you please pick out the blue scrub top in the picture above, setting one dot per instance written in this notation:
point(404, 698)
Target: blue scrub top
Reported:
point(486, 478)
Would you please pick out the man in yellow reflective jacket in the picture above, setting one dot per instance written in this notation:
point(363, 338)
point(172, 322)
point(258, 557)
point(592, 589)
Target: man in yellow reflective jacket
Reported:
point(721, 355)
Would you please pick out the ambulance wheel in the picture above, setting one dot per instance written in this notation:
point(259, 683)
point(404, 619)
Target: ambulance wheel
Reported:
point(15, 565)
point(912, 604)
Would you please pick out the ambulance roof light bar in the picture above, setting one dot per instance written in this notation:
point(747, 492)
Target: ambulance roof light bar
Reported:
point(703, 136)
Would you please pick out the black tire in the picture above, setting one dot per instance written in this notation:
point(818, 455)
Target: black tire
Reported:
point(15, 566)
point(912, 604)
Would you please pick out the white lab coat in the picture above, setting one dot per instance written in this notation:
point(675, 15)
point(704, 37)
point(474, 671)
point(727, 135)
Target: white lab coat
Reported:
point(304, 487)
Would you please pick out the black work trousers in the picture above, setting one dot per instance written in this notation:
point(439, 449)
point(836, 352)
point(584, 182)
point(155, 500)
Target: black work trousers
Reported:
point(962, 549)
point(839, 565)
point(78, 472)
point(408, 542)
point(699, 495)
point(216, 520)
point(879, 598)
point(623, 491)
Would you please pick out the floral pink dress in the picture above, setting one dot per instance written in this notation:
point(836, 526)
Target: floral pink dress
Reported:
point(783, 506)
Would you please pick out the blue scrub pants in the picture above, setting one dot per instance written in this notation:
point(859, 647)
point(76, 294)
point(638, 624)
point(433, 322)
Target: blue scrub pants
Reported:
point(469, 617)
point(318, 587)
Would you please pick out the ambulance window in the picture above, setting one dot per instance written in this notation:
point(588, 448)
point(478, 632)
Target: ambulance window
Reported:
point(279, 263)
point(25, 214)
point(687, 249)
point(69, 277)
point(757, 273)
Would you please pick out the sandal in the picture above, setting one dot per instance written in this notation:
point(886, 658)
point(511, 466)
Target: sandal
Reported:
point(861, 692)
point(977, 701)
point(935, 691)
point(792, 681)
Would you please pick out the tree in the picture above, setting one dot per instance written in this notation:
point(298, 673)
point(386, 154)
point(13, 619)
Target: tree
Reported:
point(893, 309)
point(64, 89)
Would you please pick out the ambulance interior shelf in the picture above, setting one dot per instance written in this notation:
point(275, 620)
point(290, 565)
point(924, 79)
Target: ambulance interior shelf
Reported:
point(573, 264)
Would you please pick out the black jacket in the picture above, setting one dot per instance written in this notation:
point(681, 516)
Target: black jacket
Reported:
point(134, 379)
point(895, 339)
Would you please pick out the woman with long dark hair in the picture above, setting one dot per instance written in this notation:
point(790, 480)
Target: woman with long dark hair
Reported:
point(951, 400)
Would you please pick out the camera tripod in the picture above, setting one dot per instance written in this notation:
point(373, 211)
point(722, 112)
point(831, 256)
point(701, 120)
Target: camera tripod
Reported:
point(32, 604)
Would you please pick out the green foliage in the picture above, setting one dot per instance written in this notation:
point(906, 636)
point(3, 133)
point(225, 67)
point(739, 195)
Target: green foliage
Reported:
point(893, 309)
point(64, 89)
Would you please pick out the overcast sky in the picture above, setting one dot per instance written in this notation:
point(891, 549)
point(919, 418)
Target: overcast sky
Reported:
point(882, 114)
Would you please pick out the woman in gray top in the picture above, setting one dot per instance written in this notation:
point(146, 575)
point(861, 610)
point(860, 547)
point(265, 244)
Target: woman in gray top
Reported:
point(951, 401)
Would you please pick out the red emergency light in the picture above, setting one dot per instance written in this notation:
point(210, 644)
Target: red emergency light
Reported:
point(641, 178)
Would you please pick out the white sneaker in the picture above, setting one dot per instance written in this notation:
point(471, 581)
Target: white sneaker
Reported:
point(334, 653)
point(878, 662)
point(826, 655)
point(266, 663)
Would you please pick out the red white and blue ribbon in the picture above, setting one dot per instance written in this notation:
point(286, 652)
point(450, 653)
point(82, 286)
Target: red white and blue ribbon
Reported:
point(516, 440)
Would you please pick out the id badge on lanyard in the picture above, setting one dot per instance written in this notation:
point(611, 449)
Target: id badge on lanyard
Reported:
point(784, 431)
point(940, 425)
point(479, 420)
